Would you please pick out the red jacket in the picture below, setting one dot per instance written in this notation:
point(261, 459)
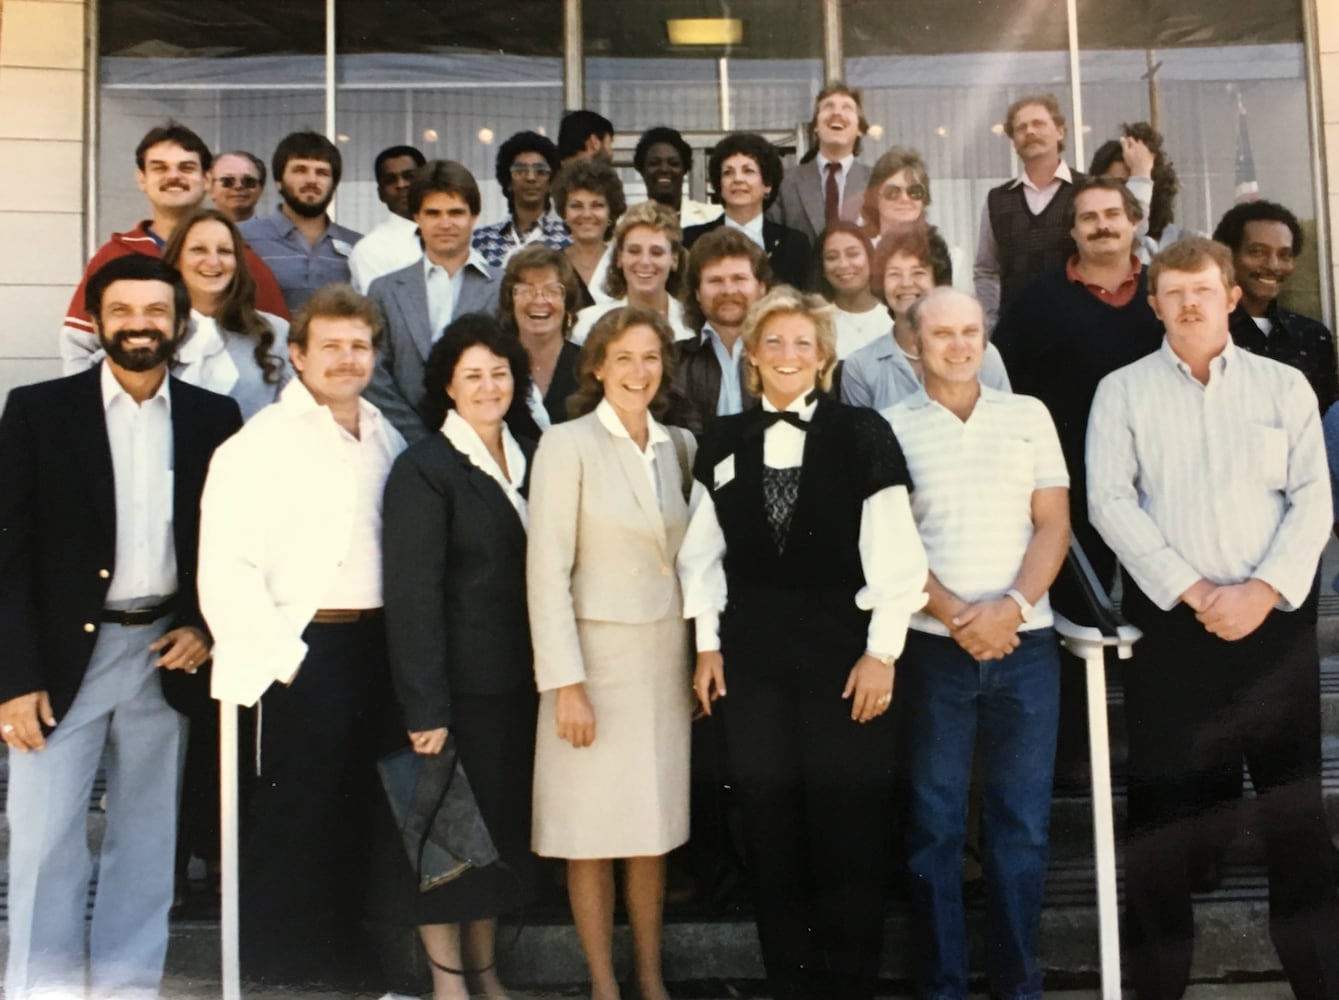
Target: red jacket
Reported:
point(268, 296)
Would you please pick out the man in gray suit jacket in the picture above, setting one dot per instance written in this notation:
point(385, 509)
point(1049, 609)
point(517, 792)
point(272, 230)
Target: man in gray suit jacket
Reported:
point(828, 184)
point(420, 300)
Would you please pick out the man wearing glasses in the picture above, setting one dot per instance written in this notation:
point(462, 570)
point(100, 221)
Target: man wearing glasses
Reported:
point(420, 301)
point(236, 183)
point(526, 164)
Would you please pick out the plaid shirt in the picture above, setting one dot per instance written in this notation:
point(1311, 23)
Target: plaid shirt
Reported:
point(500, 240)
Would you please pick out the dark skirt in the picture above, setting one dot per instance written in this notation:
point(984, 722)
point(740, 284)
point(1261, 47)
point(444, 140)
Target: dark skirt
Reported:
point(495, 737)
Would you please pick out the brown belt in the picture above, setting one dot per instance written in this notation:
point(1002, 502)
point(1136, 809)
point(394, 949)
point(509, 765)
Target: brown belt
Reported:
point(342, 616)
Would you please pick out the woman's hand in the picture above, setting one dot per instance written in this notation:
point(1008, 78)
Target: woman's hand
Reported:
point(576, 719)
point(709, 678)
point(870, 686)
point(428, 741)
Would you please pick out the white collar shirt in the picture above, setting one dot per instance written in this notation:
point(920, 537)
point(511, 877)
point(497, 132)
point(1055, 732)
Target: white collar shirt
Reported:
point(656, 434)
point(140, 435)
point(391, 245)
point(289, 503)
point(444, 290)
point(1039, 197)
point(843, 172)
point(782, 443)
point(752, 229)
point(466, 440)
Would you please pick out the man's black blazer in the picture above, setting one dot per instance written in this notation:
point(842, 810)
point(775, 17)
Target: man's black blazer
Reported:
point(788, 250)
point(453, 549)
point(58, 525)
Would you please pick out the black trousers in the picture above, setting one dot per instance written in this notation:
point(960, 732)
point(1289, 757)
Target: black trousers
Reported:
point(307, 842)
point(1195, 706)
point(815, 790)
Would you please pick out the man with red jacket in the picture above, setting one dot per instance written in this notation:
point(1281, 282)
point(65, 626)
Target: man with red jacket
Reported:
point(171, 163)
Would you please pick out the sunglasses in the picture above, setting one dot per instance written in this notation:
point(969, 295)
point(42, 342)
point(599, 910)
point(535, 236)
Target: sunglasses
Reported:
point(247, 183)
point(891, 192)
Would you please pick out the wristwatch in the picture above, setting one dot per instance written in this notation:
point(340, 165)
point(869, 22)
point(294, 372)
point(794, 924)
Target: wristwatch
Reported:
point(1024, 607)
point(883, 658)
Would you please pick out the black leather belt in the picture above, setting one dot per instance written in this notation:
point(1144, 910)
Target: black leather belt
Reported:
point(139, 616)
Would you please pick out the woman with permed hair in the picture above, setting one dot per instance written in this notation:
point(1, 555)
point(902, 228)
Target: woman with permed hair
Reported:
point(745, 171)
point(648, 262)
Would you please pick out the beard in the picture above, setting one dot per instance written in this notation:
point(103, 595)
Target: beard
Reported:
point(141, 359)
point(302, 208)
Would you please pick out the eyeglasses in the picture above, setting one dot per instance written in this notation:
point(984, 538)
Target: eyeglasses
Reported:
point(246, 183)
point(530, 170)
point(553, 292)
point(891, 192)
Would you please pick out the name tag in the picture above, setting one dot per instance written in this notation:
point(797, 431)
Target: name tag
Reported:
point(724, 472)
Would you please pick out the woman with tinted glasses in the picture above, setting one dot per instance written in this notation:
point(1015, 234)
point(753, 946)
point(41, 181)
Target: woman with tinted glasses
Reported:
point(897, 197)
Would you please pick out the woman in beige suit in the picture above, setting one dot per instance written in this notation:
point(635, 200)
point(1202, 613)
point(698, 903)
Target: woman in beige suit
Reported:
point(608, 512)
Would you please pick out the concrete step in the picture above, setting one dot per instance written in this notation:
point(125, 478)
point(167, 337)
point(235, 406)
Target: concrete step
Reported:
point(1232, 941)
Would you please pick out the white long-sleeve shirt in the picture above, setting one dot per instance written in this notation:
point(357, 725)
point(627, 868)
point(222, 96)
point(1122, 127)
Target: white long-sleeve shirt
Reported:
point(890, 552)
point(278, 518)
point(1224, 481)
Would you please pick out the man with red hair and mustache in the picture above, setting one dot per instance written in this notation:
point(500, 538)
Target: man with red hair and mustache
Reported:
point(1207, 477)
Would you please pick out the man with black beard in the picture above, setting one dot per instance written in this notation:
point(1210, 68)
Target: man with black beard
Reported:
point(303, 246)
point(101, 627)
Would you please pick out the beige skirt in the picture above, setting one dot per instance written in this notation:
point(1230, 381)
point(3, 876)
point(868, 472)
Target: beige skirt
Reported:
point(625, 795)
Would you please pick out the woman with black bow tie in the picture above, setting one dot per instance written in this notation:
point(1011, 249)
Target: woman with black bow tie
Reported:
point(801, 573)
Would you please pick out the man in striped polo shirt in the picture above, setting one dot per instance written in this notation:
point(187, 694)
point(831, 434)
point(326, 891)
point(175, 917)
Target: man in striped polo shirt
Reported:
point(1207, 477)
point(991, 503)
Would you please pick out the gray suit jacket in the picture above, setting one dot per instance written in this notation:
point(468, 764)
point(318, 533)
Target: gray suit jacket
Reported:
point(397, 380)
point(800, 203)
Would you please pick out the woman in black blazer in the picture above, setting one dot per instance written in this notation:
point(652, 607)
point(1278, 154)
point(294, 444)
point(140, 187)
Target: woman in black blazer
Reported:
point(459, 636)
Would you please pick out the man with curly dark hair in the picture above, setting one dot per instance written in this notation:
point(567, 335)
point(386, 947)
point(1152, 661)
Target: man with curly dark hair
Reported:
point(526, 163)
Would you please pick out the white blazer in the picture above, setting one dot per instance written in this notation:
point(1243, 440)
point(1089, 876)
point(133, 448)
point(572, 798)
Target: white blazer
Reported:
point(275, 520)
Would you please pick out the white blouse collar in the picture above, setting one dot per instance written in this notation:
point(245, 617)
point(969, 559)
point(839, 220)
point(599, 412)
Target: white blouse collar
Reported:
point(608, 416)
point(466, 440)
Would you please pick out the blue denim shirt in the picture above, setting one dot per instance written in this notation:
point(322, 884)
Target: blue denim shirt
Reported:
point(299, 267)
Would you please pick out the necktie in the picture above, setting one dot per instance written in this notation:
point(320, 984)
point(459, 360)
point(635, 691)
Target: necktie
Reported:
point(831, 197)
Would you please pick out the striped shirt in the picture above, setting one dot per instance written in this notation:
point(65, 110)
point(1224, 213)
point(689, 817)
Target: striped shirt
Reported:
point(1223, 481)
point(973, 482)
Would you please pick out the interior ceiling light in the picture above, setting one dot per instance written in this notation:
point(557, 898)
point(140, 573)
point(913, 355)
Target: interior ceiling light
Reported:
point(705, 30)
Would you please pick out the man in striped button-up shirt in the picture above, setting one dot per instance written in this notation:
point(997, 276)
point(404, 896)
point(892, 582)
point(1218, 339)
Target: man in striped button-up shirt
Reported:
point(1207, 477)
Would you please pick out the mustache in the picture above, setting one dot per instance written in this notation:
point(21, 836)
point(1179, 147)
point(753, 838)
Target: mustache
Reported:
point(1104, 234)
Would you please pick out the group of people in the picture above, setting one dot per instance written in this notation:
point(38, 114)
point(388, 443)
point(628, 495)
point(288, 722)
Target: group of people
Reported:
point(536, 493)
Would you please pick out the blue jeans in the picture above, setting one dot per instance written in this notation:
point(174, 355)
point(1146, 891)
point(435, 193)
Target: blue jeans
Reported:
point(947, 700)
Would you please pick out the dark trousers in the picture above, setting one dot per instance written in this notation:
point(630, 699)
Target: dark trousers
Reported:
point(306, 845)
point(1195, 706)
point(815, 792)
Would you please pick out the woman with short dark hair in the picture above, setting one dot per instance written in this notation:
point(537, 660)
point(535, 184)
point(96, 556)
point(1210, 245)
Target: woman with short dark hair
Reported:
point(459, 639)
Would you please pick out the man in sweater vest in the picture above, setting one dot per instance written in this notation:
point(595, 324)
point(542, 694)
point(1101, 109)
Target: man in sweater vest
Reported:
point(1023, 225)
point(1065, 331)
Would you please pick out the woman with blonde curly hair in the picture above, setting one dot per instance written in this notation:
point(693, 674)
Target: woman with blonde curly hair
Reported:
point(647, 271)
point(801, 568)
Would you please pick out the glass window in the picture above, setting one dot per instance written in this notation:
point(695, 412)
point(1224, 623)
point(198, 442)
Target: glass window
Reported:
point(454, 80)
point(242, 75)
point(1228, 93)
point(938, 77)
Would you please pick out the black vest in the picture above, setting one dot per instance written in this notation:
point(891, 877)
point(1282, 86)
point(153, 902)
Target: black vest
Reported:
point(800, 600)
point(1029, 244)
